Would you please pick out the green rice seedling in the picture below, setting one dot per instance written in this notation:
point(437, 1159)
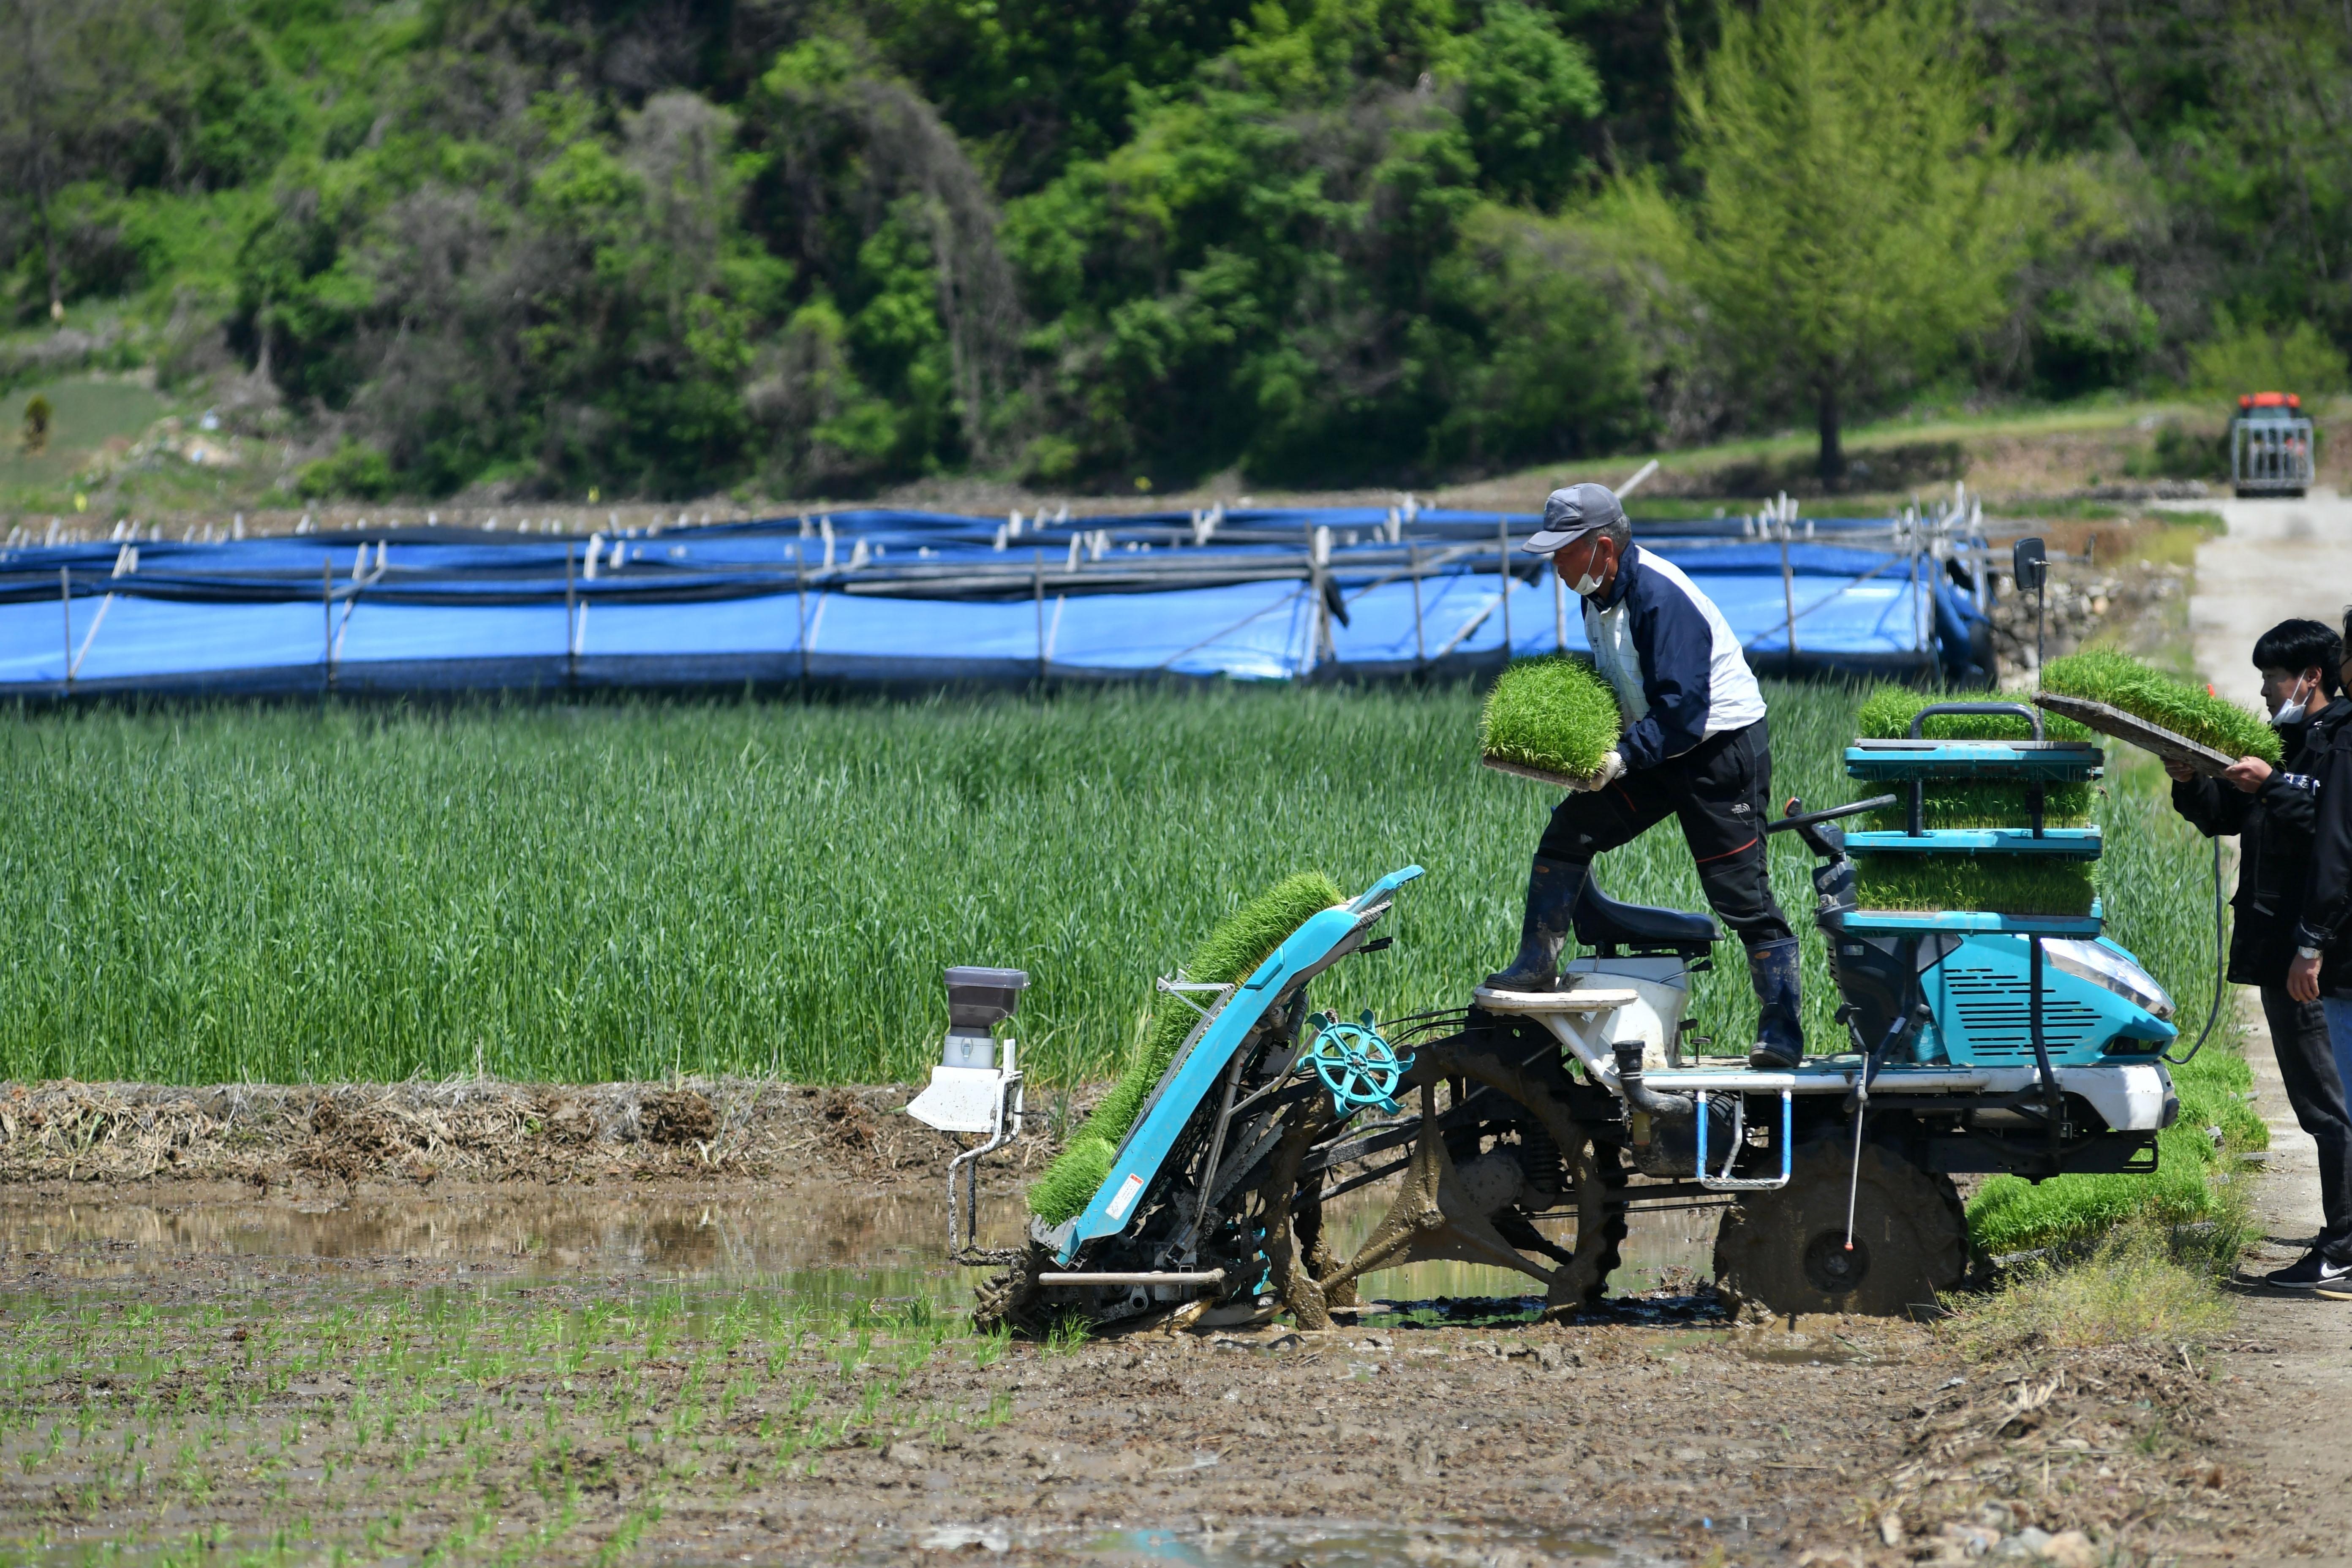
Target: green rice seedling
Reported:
point(2119, 680)
point(1975, 802)
point(2006, 884)
point(1241, 941)
point(1551, 713)
point(1068, 1333)
point(1887, 715)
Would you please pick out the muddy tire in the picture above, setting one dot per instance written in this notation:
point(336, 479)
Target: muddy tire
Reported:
point(1600, 1232)
point(1787, 1249)
point(1009, 1301)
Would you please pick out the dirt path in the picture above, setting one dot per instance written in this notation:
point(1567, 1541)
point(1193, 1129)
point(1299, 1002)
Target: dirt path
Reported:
point(2279, 558)
point(2290, 1378)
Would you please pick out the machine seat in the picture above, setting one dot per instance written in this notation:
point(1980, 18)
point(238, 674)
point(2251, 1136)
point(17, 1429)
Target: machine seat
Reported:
point(1601, 921)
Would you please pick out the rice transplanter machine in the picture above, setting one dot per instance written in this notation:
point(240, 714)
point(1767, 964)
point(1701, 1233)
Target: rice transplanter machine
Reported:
point(1521, 1129)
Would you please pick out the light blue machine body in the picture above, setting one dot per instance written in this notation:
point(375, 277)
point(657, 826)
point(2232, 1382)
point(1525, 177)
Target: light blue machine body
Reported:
point(1980, 996)
point(1193, 1074)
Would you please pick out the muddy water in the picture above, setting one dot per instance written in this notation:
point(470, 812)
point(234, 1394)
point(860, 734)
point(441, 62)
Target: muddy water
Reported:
point(820, 1242)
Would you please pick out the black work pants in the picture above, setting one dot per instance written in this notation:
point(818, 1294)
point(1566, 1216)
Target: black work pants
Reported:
point(1720, 791)
point(2307, 1060)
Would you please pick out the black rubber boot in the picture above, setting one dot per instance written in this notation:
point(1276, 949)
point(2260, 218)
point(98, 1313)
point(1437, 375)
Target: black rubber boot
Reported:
point(1552, 889)
point(1780, 1026)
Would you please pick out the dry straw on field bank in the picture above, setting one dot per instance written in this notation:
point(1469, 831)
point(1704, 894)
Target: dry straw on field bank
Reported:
point(467, 1129)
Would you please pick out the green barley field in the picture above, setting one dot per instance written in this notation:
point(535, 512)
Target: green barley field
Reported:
point(630, 890)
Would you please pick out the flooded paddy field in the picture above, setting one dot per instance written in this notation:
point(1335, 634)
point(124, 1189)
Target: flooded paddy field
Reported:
point(721, 1368)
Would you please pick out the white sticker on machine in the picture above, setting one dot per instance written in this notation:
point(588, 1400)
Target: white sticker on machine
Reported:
point(1126, 1198)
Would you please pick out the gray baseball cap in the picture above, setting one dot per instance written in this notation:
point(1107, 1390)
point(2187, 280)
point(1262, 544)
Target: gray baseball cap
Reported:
point(1572, 512)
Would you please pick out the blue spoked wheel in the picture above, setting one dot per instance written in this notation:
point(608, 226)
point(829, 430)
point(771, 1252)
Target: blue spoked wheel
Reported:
point(1358, 1067)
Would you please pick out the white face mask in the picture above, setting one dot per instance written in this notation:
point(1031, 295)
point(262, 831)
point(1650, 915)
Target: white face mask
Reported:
point(2290, 712)
point(1587, 585)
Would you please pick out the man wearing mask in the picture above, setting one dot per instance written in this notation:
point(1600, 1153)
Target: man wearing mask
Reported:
point(2275, 811)
point(1695, 747)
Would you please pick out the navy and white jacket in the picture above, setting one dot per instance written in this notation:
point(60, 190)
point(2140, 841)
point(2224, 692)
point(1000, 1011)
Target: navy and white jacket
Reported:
point(1678, 670)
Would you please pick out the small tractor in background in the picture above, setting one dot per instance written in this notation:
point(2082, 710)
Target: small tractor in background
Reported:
point(2270, 449)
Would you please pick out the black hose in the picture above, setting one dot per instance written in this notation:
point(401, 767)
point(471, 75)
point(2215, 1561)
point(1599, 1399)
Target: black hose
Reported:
point(2221, 969)
point(1641, 1096)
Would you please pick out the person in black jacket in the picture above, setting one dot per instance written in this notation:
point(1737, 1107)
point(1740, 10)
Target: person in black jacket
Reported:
point(2321, 968)
point(2274, 812)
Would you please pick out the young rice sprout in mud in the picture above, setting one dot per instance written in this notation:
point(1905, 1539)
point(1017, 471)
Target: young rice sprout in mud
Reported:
point(470, 1408)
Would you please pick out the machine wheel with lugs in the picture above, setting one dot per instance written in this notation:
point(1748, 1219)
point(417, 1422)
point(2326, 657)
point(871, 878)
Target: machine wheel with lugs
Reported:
point(1788, 1248)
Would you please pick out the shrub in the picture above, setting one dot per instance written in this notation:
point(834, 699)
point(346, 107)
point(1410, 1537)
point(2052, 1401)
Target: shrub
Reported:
point(360, 472)
point(2255, 358)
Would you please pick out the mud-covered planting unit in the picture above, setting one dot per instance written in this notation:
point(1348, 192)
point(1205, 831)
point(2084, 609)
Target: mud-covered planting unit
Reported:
point(1524, 1126)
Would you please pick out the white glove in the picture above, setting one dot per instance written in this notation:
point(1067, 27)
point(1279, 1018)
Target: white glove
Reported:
point(1613, 767)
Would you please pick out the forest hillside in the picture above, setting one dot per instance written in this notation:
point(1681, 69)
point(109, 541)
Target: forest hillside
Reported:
point(646, 247)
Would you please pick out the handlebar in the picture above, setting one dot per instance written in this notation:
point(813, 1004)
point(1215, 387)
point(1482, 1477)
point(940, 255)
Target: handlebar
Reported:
point(2016, 710)
point(1831, 814)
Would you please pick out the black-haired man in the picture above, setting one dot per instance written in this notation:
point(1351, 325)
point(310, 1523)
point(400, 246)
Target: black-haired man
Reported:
point(1695, 748)
point(2275, 811)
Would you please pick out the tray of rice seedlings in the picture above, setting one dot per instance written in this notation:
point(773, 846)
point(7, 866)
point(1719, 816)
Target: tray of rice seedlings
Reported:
point(1229, 954)
point(2118, 695)
point(2001, 884)
point(1886, 714)
point(1954, 864)
point(1550, 719)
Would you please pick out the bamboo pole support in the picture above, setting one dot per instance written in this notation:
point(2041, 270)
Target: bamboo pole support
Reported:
point(326, 615)
point(571, 618)
point(1419, 646)
point(1503, 566)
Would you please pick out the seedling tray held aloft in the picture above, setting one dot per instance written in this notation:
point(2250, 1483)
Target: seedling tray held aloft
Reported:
point(2135, 731)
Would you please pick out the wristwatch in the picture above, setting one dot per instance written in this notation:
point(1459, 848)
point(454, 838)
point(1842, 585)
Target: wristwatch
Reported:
point(2307, 952)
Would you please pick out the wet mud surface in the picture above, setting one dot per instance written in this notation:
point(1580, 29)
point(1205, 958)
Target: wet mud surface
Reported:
point(699, 1369)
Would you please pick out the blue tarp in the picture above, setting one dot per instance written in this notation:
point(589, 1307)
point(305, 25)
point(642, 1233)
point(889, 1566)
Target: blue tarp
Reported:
point(898, 596)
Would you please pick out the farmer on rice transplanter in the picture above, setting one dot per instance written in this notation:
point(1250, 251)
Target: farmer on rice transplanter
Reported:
point(1695, 747)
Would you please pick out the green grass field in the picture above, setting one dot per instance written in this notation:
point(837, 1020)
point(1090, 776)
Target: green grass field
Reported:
point(630, 890)
point(624, 891)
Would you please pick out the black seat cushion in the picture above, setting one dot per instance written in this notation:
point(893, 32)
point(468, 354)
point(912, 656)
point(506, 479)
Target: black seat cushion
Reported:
point(1603, 920)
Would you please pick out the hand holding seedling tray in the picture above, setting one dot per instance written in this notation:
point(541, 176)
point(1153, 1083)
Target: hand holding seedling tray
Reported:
point(1551, 720)
point(2119, 696)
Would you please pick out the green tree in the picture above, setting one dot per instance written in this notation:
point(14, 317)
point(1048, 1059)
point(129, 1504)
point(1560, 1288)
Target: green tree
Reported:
point(69, 71)
point(2253, 358)
point(1853, 228)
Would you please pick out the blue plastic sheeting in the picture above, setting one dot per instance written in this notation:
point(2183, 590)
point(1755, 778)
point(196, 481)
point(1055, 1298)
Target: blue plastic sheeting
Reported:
point(897, 597)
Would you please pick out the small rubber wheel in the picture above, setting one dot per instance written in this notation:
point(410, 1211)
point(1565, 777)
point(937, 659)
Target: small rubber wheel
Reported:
point(1788, 1249)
